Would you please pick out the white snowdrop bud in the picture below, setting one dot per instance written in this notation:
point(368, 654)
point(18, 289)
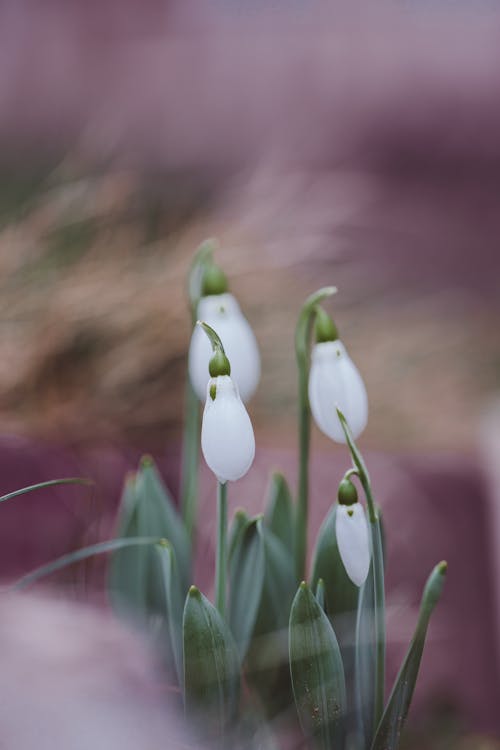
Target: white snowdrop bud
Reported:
point(227, 438)
point(353, 541)
point(222, 312)
point(334, 381)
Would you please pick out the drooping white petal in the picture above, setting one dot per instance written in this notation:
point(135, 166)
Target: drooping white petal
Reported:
point(335, 381)
point(227, 438)
point(353, 541)
point(223, 314)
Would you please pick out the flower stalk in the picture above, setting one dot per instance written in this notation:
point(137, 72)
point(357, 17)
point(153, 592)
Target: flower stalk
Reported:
point(191, 436)
point(221, 561)
point(302, 348)
point(359, 467)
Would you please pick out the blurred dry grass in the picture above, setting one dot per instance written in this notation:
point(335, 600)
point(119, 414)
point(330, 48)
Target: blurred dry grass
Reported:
point(94, 326)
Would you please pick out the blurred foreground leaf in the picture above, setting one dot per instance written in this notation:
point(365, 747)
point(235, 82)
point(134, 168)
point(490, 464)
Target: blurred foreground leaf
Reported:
point(317, 672)
point(389, 730)
point(211, 666)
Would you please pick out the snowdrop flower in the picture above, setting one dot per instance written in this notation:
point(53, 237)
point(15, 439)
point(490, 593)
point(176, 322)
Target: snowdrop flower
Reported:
point(351, 530)
point(221, 311)
point(227, 438)
point(334, 381)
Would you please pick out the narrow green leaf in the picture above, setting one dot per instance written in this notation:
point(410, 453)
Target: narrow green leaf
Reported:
point(174, 602)
point(42, 485)
point(246, 576)
point(82, 554)
point(317, 672)
point(365, 662)
point(201, 258)
point(211, 666)
point(279, 516)
point(389, 730)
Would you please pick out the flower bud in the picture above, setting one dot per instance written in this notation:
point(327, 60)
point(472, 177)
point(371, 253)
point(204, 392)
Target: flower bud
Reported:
point(227, 438)
point(222, 312)
point(335, 381)
point(353, 541)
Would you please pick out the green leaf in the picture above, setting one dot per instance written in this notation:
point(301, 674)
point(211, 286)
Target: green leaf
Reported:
point(82, 554)
point(320, 594)
point(317, 672)
point(156, 512)
point(42, 485)
point(136, 582)
point(279, 516)
point(211, 666)
point(389, 730)
point(365, 661)
point(238, 526)
point(246, 576)
point(341, 594)
point(174, 602)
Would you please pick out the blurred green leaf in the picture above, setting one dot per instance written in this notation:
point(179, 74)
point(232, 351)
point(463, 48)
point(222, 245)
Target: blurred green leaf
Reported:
point(211, 666)
point(279, 516)
point(320, 594)
point(388, 733)
point(365, 662)
point(238, 526)
point(317, 672)
point(42, 485)
point(136, 581)
point(246, 576)
point(174, 602)
point(82, 554)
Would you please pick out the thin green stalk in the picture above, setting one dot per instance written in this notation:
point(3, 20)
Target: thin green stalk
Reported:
point(302, 346)
point(190, 455)
point(377, 567)
point(221, 561)
point(191, 436)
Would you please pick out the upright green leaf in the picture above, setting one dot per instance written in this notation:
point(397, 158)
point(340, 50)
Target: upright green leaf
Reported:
point(279, 516)
point(211, 666)
point(246, 576)
point(174, 602)
point(389, 730)
point(128, 566)
point(156, 510)
point(317, 672)
point(237, 528)
point(365, 662)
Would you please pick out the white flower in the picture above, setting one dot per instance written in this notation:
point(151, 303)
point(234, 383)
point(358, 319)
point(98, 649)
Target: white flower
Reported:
point(335, 381)
point(222, 312)
point(353, 541)
point(227, 438)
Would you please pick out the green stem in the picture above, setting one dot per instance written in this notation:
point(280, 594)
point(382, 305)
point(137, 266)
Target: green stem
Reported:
point(190, 454)
point(302, 346)
point(221, 561)
point(191, 436)
point(378, 570)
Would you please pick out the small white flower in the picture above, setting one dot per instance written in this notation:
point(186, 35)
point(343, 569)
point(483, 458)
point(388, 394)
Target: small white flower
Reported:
point(353, 541)
point(222, 312)
point(335, 381)
point(227, 438)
